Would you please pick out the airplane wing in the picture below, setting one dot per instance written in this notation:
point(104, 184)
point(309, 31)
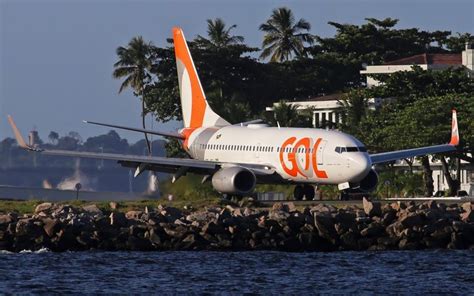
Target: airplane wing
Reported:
point(142, 163)
point(401, 154)
point(165, 134)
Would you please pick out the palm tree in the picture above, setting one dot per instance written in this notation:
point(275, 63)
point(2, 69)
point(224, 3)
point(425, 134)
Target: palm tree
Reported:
point(286, 114)
point(134, 64)
point(283, 37)
point(218, 35)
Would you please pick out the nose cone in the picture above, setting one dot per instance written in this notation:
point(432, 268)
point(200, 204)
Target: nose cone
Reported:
point(360, 165)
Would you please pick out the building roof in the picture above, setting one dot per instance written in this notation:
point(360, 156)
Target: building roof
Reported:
point(331, 97)
point(429, 59)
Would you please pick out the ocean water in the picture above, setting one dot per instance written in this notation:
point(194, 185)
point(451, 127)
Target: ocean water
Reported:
point(368, 273)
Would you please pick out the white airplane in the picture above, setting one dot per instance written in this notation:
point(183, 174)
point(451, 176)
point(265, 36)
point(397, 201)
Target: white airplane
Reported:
point(237, 157)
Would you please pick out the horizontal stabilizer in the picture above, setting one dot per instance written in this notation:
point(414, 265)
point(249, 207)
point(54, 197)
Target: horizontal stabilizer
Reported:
point(164, 134)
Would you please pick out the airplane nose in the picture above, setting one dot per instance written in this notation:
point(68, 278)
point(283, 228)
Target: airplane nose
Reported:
point(360, 166)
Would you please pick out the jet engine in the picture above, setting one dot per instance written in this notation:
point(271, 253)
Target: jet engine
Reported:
point(234, 180)
point(369, 182)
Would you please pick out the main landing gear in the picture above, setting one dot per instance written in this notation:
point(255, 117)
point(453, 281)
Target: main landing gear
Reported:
point(303, 191)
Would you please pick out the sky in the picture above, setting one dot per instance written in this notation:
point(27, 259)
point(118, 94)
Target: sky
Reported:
point(56, 57)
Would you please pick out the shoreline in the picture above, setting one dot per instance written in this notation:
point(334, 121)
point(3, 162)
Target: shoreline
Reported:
point(395, 226)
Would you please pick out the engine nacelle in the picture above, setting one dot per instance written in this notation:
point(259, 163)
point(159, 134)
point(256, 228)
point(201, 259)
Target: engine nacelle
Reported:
point(369, 182)
point(234, 180)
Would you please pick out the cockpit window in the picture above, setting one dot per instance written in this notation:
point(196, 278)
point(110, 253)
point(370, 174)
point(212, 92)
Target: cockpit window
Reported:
point(350, 149)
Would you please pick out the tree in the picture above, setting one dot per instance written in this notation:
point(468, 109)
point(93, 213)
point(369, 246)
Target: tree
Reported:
point(283, 37)
point(134, 64)
point(53, 137)
point(218, 35)
point(355, 107)
point(287, 115)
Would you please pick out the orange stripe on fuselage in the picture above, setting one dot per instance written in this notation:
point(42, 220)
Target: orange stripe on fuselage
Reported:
point(198, 104)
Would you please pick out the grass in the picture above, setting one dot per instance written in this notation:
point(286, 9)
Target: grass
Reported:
point(28, 206)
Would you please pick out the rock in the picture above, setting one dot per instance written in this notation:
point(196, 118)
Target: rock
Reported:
point(291, 207)
point(349, 241)
point(372, 208)
point(411, 220)
point(118, 219)
point(468, 207)
point(278, 206)
point(432, 204)
point(51, 226)
point(212, 228)
point(171, 213)
point(467, 216)
point(390, 242)
point(373, 230)
point(322, 208)
point(6, 219)
point(43, 207)
point(278, 215)
point(93, 210)
point(134, 215)
point(325, 225)
point(405, 244)
point(389, 217)
point(113, 205)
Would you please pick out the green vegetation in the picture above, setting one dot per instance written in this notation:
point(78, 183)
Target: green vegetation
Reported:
point(134, 64)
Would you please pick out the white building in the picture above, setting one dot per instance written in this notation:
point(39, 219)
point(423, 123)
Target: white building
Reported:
point(427, 61)
point(326, 109)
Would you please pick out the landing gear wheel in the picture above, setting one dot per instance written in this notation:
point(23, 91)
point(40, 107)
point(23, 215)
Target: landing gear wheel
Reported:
point(344, 195)
point(309, 192)
point(298, 193)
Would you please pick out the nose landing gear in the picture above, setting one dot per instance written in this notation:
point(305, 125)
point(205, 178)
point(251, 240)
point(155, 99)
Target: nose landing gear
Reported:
point(303, 191)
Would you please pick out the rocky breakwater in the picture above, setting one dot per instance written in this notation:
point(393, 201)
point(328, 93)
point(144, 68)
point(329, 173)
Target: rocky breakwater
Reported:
point(397, 226)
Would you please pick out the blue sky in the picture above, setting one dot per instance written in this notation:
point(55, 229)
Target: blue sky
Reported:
point(56, 57)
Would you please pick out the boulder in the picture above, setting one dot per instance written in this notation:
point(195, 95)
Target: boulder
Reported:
point(325, 224)
point(6, 219)
point(278, 206)
point(291, 207)
point(432, 204)
point(93, 210)
point(468, 207)
point(411, 220)
point(118, 219)
point(170, 213)
point(51, 226)
point(43, 207)
point(372, 208)
point(373, 230)
point(389, 217)
point(467, 216)
point(134, 215)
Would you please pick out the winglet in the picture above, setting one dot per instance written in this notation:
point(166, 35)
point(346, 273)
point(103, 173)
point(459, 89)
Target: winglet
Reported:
point(454, 130)
point(19, 139)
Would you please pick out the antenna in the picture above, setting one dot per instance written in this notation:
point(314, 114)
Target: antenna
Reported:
point(278, 124)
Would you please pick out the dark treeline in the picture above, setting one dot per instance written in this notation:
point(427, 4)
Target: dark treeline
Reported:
point(13, 156)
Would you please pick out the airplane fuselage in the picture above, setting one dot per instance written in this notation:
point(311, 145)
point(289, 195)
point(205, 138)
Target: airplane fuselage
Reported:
point(301, 155)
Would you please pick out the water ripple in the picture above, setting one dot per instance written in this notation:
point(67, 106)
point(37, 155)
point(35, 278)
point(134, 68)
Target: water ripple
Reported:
point(368, 273)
